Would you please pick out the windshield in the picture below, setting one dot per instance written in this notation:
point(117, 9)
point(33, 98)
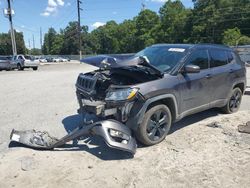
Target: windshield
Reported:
point(163, 58)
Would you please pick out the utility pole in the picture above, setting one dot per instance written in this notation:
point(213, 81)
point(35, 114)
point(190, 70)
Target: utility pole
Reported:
point(29, 46)
point(41, 38)
point(33, 42)
point(143, 6)
point(9, 13)
point(79, 28)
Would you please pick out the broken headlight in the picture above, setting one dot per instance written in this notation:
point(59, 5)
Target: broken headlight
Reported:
point(121, 94)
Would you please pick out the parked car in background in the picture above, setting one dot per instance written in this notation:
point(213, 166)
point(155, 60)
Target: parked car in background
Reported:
point(6, 63)
point(60, 59)
point(43, 60)
point(49, 59)
point(64, 59)
point(25, 61)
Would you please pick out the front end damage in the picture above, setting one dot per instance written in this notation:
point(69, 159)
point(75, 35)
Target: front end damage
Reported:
point(109, 100)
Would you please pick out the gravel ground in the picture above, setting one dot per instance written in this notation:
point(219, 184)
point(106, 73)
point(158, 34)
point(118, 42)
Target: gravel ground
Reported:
point(193, 155)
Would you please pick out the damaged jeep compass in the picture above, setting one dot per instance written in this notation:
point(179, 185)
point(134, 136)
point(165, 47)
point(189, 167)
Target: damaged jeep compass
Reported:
point(160, 85)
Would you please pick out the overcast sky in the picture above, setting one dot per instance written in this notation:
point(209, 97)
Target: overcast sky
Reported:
point(30, 15)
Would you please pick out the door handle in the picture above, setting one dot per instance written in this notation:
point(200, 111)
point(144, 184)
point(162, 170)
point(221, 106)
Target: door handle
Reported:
point(208, 76)
point(231, 71)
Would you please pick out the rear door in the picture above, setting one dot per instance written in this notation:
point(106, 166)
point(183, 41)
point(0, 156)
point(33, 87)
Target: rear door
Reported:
point(196, 87)
point(221, 71)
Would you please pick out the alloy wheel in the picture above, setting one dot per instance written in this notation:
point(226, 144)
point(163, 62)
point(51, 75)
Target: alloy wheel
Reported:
point(235, 101)
point(157, 125)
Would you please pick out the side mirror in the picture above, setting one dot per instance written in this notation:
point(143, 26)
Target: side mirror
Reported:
point(191, 69)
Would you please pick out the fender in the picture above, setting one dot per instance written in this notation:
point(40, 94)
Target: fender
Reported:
point(135, 121)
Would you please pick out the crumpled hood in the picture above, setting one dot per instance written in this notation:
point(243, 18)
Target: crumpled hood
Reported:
point(111, 59)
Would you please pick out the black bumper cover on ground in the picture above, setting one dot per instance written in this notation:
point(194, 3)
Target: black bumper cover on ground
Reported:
point(42, 140)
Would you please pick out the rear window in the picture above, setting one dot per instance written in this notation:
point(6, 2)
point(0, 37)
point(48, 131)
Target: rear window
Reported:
point(218, 58)
point(29, 57)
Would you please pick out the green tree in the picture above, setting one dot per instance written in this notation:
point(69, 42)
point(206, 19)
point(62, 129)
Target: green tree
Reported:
point(107, 37)
point(20, 45)
point(35, 51)
point(126, 36)
point(145, 23)
point(233, 37)
point(174, 17)
point(70, 39)
point(57, 45)
point(6, 45)
point(49, 39)
point(212, 17)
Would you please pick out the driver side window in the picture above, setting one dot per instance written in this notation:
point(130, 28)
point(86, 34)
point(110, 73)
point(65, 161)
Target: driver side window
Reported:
point(199, 58)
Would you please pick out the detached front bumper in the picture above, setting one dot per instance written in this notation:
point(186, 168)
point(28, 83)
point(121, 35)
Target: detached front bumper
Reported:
point(115, 135)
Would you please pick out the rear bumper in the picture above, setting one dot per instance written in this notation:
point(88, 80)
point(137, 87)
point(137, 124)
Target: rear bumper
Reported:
point(27, 66)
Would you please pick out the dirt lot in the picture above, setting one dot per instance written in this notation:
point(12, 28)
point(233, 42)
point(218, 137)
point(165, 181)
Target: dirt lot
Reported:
point(193, 155)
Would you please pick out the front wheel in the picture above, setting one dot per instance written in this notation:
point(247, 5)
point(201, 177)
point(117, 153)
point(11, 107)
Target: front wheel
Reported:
point(234, 101)
point(155, 125)
point(35, 68)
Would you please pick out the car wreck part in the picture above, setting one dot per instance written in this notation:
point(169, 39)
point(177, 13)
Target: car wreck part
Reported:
point(244, 128)
point(115, 135)
point(121, 94)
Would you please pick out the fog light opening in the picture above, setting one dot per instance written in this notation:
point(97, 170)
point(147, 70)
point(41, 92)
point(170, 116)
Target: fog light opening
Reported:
point(119, 136)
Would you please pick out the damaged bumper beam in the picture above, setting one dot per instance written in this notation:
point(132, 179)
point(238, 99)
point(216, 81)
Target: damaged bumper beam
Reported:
point(115, 135)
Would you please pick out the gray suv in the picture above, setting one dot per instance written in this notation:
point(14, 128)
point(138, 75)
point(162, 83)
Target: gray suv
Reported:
point(161, 85)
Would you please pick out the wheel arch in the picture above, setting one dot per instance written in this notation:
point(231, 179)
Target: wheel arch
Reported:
point(240, 85)
point(168, 99)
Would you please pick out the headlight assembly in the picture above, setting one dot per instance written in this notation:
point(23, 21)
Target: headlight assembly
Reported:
point(121, 94)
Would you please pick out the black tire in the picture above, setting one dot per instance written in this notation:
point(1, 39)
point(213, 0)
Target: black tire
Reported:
point(19, 67)
point(152, 131)
point(234, 101)
point(35, 68)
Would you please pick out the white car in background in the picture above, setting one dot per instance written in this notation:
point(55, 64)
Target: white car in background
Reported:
point(25, 61)
point(60, 59)
point(57, 59)
point(43, 60)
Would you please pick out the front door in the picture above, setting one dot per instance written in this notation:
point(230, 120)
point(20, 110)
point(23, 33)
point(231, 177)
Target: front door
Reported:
point(195, 88)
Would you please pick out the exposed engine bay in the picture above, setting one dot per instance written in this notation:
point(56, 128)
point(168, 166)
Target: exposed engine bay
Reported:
point(100, 92)
point(114, 78)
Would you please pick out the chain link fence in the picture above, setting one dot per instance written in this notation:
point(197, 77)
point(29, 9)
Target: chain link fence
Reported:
point(244, 53)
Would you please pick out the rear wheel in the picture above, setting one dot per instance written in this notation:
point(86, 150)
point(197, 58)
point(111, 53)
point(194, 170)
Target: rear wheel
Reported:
point(35, 68)
point(155, 125)
point(234, 101)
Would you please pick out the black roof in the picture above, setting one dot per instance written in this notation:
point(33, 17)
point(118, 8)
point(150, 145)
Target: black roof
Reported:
point(187, 46)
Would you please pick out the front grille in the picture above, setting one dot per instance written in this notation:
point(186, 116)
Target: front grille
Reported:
point(86, 82)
